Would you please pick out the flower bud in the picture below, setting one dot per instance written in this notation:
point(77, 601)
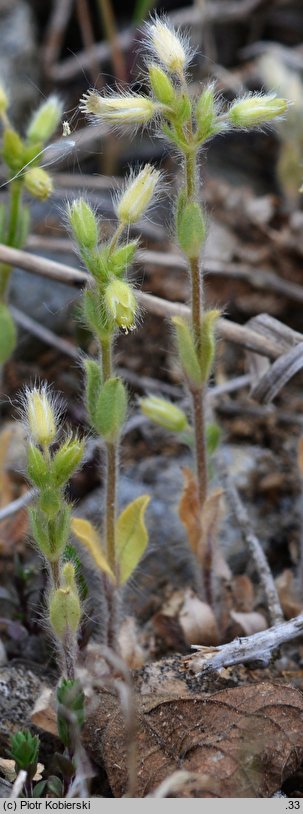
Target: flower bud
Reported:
point(84, 223)
point(132, 109)
point(111, 408)
point(256, 109)
point(137, 196)
point(66, 460)
point(168, 46)
point(3, 100)
point(161, 85)
point(206, 114)
point(38, 183)
point(45, 120)
point(37, 467)
point(164, 413)
point(41, 415)
point(121, 304)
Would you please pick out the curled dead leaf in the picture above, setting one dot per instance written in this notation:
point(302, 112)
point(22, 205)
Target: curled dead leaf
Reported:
point(246, 739)
point(248, 623)
point(198, 621)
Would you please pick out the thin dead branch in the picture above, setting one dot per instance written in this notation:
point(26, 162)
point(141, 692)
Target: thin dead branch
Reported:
point(58, 271)
point(254, 547)
point(256, 649)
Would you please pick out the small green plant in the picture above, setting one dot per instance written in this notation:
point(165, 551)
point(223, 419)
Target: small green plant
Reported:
point(188, 124)
point(109, 304)
point(49, 469)
point(22, 157)
point(24, 750)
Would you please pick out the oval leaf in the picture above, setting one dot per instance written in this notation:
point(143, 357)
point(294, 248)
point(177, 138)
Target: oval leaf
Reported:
point(86, 533)
point(131, 536)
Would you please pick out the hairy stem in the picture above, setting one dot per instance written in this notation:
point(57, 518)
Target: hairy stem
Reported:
point(14, 211)
point(196, 317)
point(110, 508)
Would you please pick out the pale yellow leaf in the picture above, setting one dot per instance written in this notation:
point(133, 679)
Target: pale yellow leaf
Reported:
point(131, 537)
point(88, 536)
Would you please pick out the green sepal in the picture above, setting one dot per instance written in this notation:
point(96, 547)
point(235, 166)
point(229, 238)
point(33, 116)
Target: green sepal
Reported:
point(111, 408)
point(13, 150)
point(205, 113)
point(66, 460)
point(191, 230)
point(208, 342)
point(32, 153)
point(161, 85)
point(37, 467)
point(8, 333)
point(93, 387)
point(99, 265)
point(121, 259)
point(187, 352)
point(182, 108)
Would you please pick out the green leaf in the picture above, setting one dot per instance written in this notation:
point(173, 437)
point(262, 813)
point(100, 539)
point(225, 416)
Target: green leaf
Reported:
point(111, 408)
point(187, 352)
point(88, 536)
point(191, 230)
point(131, 537)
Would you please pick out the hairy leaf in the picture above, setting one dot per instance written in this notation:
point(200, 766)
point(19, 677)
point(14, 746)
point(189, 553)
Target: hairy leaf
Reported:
point(88, 536)
point(132, 536)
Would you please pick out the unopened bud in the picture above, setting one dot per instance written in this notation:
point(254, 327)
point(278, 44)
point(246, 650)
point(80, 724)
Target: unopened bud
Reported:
point(138, 195)
point(256, 109)
point(161, 85)
point(38, 183)
point(66, 460)
point(164, 413)
point(168, 46)
point(132, 109)
point(206, 114)
point(84, 223)
point(41, 416)
point(121, 304)
point(45, 120)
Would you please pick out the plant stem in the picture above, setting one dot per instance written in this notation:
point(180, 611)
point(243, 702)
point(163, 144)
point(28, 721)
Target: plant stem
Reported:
point(14, 212)
point(197, 396)
point(110, 509)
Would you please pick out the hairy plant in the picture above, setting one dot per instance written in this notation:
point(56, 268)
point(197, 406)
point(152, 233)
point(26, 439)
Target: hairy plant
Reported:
point(188, 124)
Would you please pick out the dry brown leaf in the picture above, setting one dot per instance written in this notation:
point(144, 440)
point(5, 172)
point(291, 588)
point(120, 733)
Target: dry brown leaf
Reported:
point(288, 594)
point(211, 514)
point(245, 740)
point(7, 768)
point(247, 623)
point(130, 649)
point(198, 621)
point(44, 714)
point(189, 509)
point(243, 593)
